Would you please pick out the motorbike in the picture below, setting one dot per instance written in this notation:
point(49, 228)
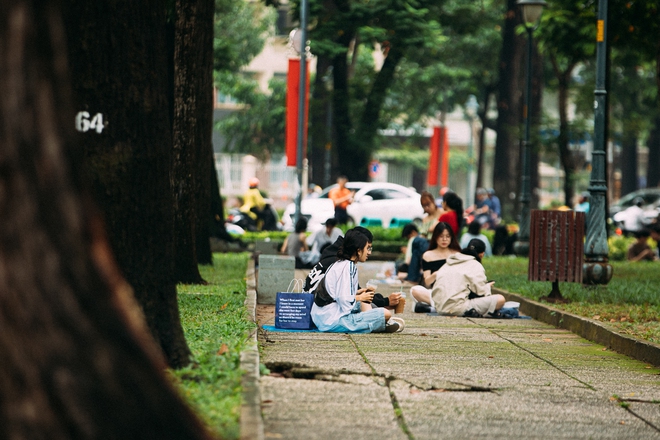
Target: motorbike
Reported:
point(268, 216)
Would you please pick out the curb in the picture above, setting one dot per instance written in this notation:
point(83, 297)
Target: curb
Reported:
point(252, 424)
point(587, 328)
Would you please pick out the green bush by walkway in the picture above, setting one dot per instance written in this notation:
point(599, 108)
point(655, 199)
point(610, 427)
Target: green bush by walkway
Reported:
point(630, 303)
point(216, 326)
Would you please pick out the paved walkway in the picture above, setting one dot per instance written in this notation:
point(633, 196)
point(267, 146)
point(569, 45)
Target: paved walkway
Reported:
point(453, 378)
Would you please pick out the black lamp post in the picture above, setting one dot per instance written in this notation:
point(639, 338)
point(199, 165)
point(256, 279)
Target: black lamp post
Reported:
point(531, 12)
point(596, 269)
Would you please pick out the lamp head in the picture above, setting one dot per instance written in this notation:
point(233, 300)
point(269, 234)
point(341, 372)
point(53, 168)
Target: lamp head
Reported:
point(531, 11)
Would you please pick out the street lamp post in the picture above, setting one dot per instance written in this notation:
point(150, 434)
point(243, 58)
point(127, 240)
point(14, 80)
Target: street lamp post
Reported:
point(596, 269)
point(531, 12)
point(471, 108)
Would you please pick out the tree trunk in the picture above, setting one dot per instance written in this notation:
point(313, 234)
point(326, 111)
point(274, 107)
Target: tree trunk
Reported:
point(367, 129)
point(653, 143)
point(629, 161)
point(565, 155)
point(77, 359)
point(341, 115)
point(536, 113)
point(319, 127)
point(652, 175)
point(118, 57)
point(192, 129)
point(506, 172)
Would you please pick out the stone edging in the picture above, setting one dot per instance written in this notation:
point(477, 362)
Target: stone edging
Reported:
point(587, 328)
point(252, 425)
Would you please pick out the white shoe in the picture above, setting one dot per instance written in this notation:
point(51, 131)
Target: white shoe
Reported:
point(394, 325)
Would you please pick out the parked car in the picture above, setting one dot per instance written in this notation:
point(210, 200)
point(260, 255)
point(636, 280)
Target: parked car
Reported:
point(651, 206)
point(373, 202)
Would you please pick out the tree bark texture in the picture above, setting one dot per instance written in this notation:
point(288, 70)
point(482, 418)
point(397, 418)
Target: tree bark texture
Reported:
point(506, 172)
point(118, 57)
point(628, 162)
point(77, 359)
point(653, 143)
point(192, 130)
point(537, 110)
point(566, 157)
point(318, 113)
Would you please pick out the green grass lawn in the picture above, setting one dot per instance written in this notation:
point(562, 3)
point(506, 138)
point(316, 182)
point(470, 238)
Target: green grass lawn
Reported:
point(216, 327)
point(630, 303)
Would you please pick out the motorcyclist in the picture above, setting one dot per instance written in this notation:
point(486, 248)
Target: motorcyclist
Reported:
point(253, 202)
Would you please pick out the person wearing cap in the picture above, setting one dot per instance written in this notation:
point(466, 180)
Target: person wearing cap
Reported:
point(253, 201)
point(322, 238)
point(461, 287)
point(341, 197)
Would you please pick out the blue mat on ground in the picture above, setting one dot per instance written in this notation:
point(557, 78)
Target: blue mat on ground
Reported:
point(272, 328)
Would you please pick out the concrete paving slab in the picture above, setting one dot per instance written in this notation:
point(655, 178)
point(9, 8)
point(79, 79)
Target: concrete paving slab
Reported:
point(321, 409)
point(526, 413)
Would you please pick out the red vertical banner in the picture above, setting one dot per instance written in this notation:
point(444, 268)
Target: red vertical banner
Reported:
point(292, 101)
point(432, 178)
point(444, 157)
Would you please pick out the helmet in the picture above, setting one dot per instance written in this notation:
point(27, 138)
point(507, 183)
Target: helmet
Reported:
point(253, 182)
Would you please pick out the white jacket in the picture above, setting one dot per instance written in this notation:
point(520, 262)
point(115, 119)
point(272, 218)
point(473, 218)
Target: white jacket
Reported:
point(341, 283)
point(460, 275)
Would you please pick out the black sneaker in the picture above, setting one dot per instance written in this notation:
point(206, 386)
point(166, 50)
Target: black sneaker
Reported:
point(422, 308)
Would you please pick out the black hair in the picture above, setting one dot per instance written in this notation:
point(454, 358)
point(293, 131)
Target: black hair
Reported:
point(474, 248)
point(353, 241)
point(437, 231)
point(474, 228)
point(454, 203)
point(642, 233)
point(366, 232)
point(331, 222)
point(301, 225)
point(408, 229)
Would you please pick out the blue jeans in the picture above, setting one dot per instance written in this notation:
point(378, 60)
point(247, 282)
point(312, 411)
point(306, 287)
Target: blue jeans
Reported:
point(371, 321)
point(419, 246)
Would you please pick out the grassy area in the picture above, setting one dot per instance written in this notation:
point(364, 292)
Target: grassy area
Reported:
point(630, 303)
point(216, 326)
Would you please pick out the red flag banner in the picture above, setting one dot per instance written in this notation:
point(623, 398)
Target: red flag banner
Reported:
point(444, 157)
point(432, 177)
point(292, 100)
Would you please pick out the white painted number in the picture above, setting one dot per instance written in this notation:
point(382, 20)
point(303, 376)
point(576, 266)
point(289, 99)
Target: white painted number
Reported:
point(83, 123)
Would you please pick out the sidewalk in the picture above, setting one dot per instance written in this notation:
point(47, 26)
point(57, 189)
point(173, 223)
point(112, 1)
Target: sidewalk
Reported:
point(452, 378)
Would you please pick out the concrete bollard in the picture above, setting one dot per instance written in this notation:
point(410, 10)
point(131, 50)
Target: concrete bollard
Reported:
point(275, 275)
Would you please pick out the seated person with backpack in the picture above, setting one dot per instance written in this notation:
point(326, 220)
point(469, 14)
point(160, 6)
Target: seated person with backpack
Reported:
point(338, 298)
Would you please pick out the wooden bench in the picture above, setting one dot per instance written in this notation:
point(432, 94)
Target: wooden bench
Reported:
point(556, 249)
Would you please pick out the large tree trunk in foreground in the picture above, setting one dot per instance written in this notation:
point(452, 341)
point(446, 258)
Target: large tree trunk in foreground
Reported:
point(192, 128)
point(507, 167)
point(77, 359)
point(118, 56)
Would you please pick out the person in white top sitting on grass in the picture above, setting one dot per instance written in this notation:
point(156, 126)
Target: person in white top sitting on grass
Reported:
point(340, 305)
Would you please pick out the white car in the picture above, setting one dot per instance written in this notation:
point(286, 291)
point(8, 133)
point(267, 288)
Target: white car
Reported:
point(374, 204)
